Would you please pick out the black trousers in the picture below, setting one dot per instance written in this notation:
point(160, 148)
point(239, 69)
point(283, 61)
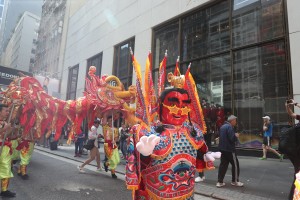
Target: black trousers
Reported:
point(226, 158)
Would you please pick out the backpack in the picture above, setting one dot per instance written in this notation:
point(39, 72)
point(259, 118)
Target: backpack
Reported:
point(289, 141)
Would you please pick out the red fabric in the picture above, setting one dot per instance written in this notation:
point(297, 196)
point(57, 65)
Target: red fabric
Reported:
point(8, 144)
point(24, 143)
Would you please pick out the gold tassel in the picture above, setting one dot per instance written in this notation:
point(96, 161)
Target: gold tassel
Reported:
point(4, 184)
point(23, 169)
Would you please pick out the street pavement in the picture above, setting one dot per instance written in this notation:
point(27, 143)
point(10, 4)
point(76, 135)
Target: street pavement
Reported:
point(55, 178)
point(264, 180)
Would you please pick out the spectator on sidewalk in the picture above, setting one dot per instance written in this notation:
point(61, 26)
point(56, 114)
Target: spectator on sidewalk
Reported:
point(124, 133)
point(227, 141)
point(79, 139)
point(92, 145)
point(267, 146)
point(292, 142)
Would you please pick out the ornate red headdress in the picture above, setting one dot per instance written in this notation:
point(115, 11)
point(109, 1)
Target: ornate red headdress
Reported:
point(146, 101)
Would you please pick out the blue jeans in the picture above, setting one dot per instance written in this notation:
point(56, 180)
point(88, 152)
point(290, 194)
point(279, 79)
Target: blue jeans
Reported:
point(123, 147)
point(79, 145)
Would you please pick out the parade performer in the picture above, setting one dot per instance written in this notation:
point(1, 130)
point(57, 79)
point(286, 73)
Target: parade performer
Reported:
point(162, 155)
point(25, 148)
point(15, 139)
point(5, 153)
point(112, 157)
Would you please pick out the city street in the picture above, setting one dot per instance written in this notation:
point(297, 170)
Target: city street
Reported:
point(268, 179)
point(53, 177)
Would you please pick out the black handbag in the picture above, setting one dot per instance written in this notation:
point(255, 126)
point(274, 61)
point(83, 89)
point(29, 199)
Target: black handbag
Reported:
point(89, 144)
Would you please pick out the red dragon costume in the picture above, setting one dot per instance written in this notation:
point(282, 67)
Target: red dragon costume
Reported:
point(162, 155)
point(43, 112)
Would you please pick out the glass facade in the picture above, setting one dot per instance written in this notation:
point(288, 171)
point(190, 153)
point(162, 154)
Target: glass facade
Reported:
point(123, 68)
point(72, 82)
point(238, 55)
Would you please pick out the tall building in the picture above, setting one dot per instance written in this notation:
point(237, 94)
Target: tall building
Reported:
point(1, 11)
point(12, 12)
point(244, 53)
point(50, 39)
point(21, 48)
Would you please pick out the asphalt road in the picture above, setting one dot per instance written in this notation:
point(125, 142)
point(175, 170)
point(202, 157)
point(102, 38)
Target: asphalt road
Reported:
point(54, 178)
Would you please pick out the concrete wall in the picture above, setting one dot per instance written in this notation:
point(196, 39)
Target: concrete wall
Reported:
point(99, 25)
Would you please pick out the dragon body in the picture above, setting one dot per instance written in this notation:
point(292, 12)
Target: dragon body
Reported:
point(36, 109)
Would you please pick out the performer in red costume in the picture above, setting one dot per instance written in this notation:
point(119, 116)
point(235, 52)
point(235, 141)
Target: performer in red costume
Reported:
point(5, 154)
point(162, 158)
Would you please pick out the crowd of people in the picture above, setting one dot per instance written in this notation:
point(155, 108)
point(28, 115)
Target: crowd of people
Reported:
point(117, 139)
point(114, 140)
point(14, 148)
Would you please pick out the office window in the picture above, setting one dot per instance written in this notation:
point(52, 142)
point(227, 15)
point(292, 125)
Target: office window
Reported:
point(258, 21)
point(231, 77)
point(72, 82)
point(166, 38)
point(123, 68)
point(206, 32)
point(260, 87)
point(95, 61)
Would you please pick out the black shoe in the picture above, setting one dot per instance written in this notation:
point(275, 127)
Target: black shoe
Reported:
point(105, 167)
point(25, 177)
point(8, 194)
point(19, 174)
point(114, 176)
point(14, 162)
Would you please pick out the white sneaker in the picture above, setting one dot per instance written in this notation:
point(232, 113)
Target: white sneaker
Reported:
point(238, 184)
point(199, 179)
point(220, 184)
point(99, 169)
point(80, 169)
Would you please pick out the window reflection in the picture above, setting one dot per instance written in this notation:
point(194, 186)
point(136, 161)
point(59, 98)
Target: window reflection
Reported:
point(272, 19)
point(259, 73)
point(123, 68)
point(257, 21)
point(213, 82)
point(237, 4)
point(259, 88)
point(206, 31)
point(166, 38)
point(72, 82)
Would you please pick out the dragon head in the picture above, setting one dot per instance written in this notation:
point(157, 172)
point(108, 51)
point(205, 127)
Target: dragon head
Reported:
point(107, 93)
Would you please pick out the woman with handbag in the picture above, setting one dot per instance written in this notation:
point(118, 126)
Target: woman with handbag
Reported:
point(92, 145)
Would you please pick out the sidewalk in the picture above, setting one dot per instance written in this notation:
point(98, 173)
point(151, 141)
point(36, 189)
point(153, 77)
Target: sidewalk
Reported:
point(264, 180)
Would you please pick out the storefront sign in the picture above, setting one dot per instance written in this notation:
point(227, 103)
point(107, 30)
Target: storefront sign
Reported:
point(7, 75)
